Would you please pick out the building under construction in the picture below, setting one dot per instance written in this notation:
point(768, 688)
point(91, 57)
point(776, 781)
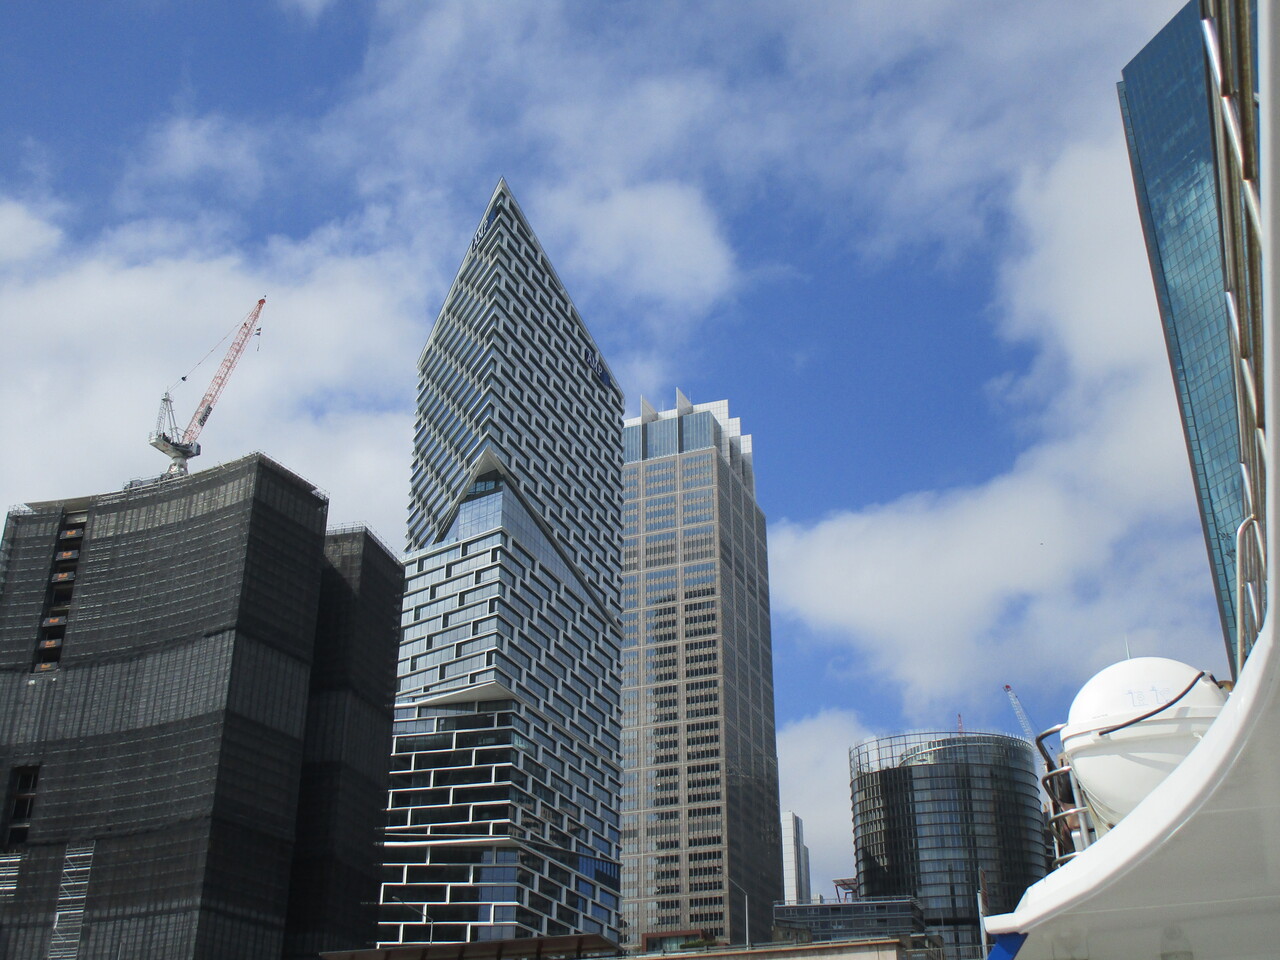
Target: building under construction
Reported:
point(195, 689)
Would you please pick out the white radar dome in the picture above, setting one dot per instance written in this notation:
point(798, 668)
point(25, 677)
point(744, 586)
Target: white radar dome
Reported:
point(1131, 725)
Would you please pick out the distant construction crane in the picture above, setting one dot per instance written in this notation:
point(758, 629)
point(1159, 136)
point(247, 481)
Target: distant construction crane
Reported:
point(1022, 714)
point(181, 447)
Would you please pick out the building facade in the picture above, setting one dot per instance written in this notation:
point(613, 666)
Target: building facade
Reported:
point(701, 848)
point(939, 817)
point(823, 921)
point(168, 721)
point(505, 772)
point(1167, 125)
point(795, 860)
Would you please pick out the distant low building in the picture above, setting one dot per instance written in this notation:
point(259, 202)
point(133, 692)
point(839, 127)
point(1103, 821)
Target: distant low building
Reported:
point(824, 921)
point(593, 947)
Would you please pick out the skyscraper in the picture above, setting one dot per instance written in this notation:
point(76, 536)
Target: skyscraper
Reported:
point(191, 675)
point(1167, 124)
point(701, 849)
point(938, 817)
point(795, 860)
point(503, 808)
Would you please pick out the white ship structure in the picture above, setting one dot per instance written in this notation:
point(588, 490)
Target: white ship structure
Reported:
point(1167, 814)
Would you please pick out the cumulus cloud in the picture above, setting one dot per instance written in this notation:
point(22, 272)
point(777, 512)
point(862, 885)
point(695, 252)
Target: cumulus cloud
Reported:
point(213, 154)
point(645, 144)
point(653, 242)
point(24, 235)
point(327, 389)
point(960, 589)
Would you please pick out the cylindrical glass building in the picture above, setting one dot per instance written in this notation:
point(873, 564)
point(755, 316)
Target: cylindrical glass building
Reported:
point(939, 816)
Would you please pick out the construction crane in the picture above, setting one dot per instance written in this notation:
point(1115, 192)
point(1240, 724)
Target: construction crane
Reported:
point(181, 447)
point(1022, 714)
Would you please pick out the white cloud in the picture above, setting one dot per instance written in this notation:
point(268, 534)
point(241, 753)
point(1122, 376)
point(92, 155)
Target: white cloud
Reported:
point(813, 770)
point(24, 235)
point(652, 242)
point(311, 9)
point(643, 142)
point(327, 390)
point(210, 154)
point(1087, 536)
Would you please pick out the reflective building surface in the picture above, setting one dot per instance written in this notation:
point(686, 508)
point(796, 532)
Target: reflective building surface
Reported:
point(701, 849)
point(936, 814)
point(1167, 125)
point(505, 772)
point(795, 860)
point(194, 687)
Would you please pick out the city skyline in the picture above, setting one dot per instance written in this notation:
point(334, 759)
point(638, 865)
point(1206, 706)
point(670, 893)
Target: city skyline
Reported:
point(903, 239)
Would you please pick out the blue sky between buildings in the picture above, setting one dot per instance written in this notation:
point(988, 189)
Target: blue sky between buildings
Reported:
point(900, 239)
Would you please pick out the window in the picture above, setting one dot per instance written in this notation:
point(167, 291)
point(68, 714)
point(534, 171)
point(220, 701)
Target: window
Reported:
point(21, 803)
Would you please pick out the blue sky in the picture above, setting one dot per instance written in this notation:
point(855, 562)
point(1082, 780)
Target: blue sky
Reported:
point(900, 238)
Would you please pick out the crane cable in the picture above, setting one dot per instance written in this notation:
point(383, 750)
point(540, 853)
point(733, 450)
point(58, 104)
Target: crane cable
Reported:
point(212, 351)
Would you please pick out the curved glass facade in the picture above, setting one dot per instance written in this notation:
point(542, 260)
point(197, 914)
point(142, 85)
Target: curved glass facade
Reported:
point(937, 814)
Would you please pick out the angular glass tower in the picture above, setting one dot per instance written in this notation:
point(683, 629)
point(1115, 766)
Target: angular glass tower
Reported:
point(1167, 125)
point(505, 782)
point(702, 854)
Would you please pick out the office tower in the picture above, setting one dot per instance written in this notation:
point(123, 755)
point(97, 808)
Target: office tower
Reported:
point(795, 860)
point(701, 849)
point(171, 718)
point(505, 776)
point(939, 816)
point(1167, 125)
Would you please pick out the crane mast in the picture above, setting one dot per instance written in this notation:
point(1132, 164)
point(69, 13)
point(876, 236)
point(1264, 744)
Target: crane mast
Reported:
point(181, 447)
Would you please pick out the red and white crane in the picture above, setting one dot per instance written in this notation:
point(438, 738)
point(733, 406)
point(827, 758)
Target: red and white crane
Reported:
point(181, 447)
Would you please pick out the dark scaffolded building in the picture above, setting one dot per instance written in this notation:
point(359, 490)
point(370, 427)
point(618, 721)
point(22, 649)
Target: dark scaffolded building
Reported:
point(939, 817)
point(195, 687)
point(504, 799)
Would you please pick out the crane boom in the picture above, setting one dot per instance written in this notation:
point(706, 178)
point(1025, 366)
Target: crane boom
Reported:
point(1022, 714)
point(181, 448)
point(219, 381)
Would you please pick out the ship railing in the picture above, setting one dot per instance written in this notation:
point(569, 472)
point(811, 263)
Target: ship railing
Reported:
point(1070, 822)
point(1231, 69)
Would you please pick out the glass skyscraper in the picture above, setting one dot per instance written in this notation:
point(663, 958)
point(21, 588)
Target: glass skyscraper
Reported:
point(701, 849)
point(505, 772)
point(939, 816)
point(1167, 124)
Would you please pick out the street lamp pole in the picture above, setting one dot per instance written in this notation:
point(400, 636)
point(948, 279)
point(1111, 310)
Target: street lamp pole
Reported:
point(746, 907)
